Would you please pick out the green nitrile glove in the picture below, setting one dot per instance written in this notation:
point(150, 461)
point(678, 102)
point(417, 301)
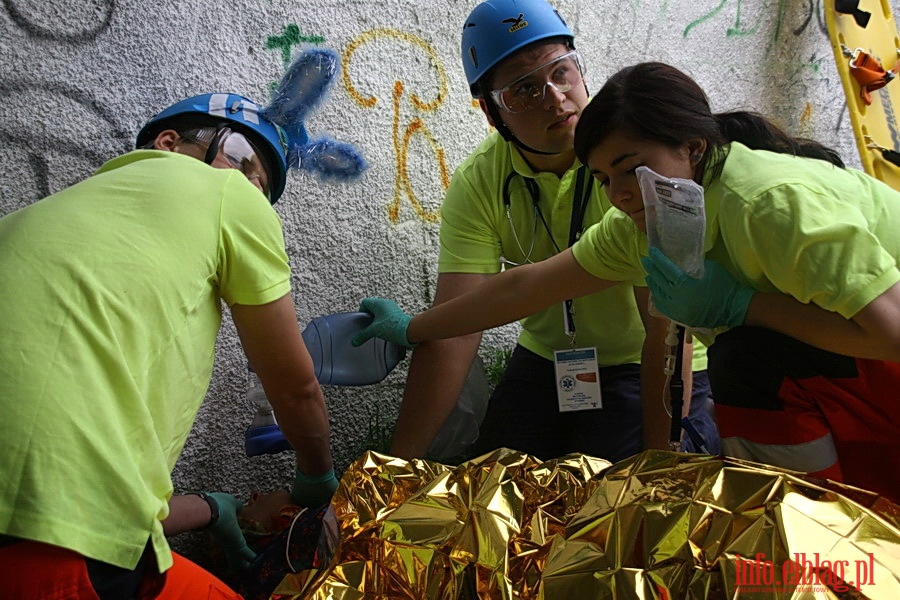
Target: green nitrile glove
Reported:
point(228, 534)
point(715, 300)
point(390, 322)
point(313, 491)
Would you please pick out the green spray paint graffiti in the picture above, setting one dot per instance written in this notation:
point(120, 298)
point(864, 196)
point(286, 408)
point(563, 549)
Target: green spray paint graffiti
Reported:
point(778, 9)
point(289, 38)
point(285, 42)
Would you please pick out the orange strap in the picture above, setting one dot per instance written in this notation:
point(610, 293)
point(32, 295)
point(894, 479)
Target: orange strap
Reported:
point(869, 73)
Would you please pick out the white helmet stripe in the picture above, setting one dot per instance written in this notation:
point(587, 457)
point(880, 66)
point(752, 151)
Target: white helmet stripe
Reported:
point(250, 112)
point(217, 104)
point(218, 107)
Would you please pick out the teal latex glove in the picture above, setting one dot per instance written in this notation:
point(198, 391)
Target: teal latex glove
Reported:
point(228, 534)
point(715, 300)
point(390, 323)
point(313, 491)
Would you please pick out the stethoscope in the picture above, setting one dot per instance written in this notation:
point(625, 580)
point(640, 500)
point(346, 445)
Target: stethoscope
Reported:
point(536, 214)
point(584, 184)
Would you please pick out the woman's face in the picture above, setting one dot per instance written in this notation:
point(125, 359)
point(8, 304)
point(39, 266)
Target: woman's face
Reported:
point(613, 163)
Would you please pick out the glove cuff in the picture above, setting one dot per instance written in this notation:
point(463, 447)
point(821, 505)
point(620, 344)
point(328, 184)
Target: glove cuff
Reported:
point(304, 478)
point(313, 491)
point(405, 341)
point(740, 304)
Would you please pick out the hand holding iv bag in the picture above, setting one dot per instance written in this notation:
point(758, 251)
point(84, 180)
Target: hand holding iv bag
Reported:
point(686, 288)
point(676, 221)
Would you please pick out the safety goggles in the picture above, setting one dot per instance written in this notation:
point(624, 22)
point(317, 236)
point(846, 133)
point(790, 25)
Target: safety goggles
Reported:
point(236, 149)
point(527, 92)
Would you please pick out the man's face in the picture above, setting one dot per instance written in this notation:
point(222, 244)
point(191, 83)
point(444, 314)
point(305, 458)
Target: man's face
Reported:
point(262, 508)
point(532, 81)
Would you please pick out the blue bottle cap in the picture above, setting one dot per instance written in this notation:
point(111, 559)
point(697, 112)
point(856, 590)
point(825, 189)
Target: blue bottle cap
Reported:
point(265, 440)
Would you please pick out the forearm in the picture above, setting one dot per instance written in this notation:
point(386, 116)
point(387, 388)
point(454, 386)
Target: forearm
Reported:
point(303, 419)
point(497, 301)
point(874, 333)
point(274, 346)
point(656, 389)
point(437, 373)
point(655, 384)
point(186, 512)
point(506, 297)
point(655, 421)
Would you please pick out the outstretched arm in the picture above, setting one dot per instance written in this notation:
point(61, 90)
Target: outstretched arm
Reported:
point(507, 297)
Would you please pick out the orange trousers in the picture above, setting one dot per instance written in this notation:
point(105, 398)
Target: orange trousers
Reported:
point(833, 416)
point(34, 571)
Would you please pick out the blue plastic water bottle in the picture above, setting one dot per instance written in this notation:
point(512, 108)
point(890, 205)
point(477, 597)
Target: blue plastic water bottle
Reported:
point(336, 362)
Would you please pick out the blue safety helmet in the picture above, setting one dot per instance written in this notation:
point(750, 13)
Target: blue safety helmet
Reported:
point(497, 28)
point(242, 115)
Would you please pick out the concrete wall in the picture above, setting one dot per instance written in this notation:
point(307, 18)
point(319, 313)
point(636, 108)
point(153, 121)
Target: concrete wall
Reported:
point(79, 77)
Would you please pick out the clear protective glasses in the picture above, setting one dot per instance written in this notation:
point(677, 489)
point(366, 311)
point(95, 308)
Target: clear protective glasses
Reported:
point(233, 146)
point(527, 92)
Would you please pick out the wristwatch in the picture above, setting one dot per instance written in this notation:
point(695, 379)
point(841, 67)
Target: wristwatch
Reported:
point(213, 508)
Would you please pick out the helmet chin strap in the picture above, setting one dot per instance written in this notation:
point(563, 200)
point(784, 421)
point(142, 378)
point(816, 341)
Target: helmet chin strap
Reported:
point(506, 133)
point(527, 148)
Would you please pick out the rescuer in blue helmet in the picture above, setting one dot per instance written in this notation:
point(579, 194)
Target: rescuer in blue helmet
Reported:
point(112, 301)
point(220, 116)
point(497, 29)
point(521, 197)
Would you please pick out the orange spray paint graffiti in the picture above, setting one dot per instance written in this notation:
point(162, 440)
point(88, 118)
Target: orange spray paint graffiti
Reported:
point(806, 121)
point(401, 136)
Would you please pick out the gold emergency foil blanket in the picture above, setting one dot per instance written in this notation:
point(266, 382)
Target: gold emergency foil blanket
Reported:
point(667, 525)
point(659, 525)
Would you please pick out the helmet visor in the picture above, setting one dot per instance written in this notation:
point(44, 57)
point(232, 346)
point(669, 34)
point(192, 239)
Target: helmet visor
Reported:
point(527, 91)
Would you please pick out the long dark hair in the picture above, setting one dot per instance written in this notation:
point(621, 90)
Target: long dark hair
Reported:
point(657, 102)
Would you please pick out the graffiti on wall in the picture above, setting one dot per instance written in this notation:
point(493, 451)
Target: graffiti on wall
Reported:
point(287, 39)
point(743, 26)
point(76, 26)
point(401, 135)
point(83, 24)
point(79, 24)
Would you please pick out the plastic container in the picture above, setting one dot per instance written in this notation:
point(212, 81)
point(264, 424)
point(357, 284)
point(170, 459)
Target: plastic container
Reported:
point(263, 436)
point(335, 361)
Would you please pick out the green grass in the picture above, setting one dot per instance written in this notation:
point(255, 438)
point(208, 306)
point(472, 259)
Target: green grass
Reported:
point(495, 361)
point(379, 433)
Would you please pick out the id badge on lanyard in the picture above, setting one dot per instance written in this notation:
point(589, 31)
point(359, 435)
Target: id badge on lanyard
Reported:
point(577, 372)
point(577, 379)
